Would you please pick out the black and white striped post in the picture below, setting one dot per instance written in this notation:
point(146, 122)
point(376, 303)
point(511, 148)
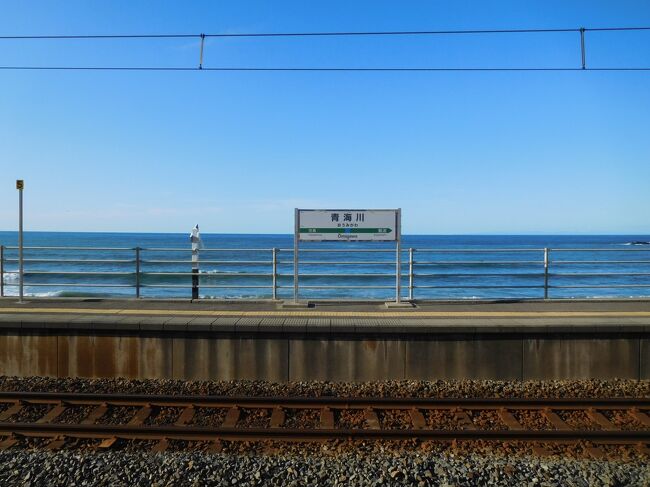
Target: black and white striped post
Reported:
point(195, 238)
point(20, 185)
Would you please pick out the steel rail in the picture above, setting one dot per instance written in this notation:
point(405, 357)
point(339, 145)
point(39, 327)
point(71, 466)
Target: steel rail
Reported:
point(203, 433)
point(353, 402)
point(510, 429)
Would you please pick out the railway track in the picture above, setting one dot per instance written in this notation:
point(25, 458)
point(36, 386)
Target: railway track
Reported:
point(58, 418)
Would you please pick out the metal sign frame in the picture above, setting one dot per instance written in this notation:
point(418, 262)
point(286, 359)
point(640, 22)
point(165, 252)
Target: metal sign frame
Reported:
point(398, 247)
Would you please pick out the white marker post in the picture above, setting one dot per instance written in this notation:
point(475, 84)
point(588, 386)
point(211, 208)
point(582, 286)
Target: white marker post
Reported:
point(20, 185)
point(197, 244)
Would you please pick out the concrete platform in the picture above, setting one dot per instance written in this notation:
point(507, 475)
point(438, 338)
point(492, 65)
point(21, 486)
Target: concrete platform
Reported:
point(331, 341)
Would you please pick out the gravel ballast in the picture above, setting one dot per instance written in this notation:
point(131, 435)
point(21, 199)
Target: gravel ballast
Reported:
point(358, 463)
point(127, 468)
point(404, 388)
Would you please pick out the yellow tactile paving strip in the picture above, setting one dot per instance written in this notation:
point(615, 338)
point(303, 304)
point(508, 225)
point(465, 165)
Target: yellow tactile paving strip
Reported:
point(336, 314)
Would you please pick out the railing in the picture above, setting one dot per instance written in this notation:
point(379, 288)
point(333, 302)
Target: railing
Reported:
point(348, 273)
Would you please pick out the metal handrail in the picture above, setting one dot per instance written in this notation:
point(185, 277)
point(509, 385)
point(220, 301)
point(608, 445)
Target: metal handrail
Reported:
point(603, 262)
point(12, 247)
point(411, 267)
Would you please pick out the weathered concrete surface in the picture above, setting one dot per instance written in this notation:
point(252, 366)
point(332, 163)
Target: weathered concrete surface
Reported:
point(114, 356)
point(644, 359)
point(343, 342)
point(572, 358)
point(188, 356)
point(464, 358)
point(28, 354)
point(346, 360)
point(226, 359)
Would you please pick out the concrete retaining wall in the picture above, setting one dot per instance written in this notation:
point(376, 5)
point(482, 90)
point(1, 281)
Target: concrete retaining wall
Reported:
point(352, 358)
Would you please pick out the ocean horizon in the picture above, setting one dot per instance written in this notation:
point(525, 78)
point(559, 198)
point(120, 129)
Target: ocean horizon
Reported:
point(445, 266)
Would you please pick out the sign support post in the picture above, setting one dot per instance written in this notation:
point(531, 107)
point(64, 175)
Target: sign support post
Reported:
point(296, 235)
point(398, 256)
point(20, 185)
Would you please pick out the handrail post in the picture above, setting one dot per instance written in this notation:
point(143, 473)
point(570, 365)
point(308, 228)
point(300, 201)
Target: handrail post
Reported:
point(137, 272)
point(411, 274)
point(2, 271)
point(546, 262)
point(275, 273)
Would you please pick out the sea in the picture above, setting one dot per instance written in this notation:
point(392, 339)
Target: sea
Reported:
point(235, 266)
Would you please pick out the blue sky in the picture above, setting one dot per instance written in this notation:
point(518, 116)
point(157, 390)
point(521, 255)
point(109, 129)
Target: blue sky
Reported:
point(469, 153)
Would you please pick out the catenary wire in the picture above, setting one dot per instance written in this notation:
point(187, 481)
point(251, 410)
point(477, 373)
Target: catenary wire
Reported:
point(314, 69)
point(317, 34)
point(321, 69)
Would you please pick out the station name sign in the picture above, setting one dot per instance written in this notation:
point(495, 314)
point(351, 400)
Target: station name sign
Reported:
point(347, 225)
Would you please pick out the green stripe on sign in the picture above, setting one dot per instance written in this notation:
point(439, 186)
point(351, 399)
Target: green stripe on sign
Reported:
point(345, 230)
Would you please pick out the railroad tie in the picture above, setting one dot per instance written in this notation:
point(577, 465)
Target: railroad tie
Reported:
point(232, 417)
point(8, 442)
point(56, 443)
point(141, 416)
point(510, 421)
point(216, 446)
point(643, 448)
point(463, 419)
point(95, 414)
point(326, 419)
point(371, 419)
point(417, 419)
point(161, 446)
point(595, 452)
point(52, 414)
point(9, 412)
point(186, 416)
point(107, 443)
point(277, 417)
point(600, 419)
point(640, 416)
point(541, 451)
point(557, 422)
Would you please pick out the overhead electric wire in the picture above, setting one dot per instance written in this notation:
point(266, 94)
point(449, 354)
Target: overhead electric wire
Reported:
point(317, 34)
point(297, 69)
point(202, 37)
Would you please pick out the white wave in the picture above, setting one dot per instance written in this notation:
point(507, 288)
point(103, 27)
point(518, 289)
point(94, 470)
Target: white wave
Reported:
point(215, 271)
point(234, 296)
point(10, 277)
point(639, 242)
point(14, 292)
